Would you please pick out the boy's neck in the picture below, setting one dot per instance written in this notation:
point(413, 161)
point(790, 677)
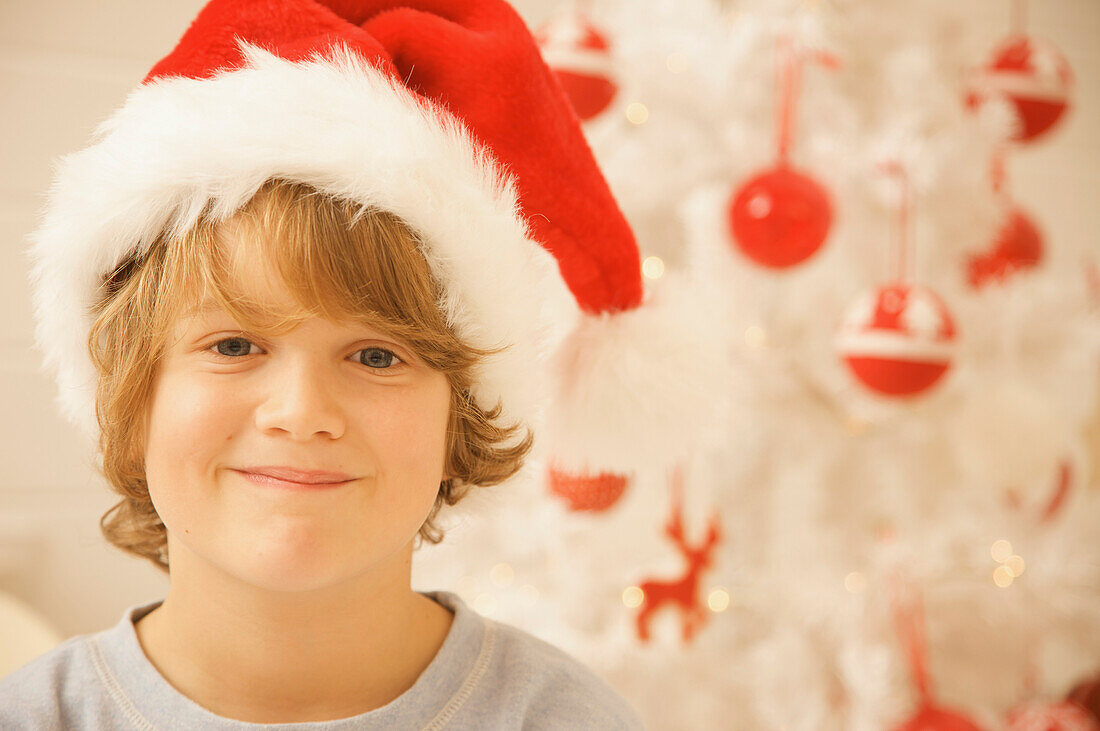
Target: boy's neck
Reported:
point(337, 662)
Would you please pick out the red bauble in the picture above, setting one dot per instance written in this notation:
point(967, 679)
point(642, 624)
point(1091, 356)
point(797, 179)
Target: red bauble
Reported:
point(779, 217)
point(1087, 695)
point(1033, 76)
point(592, 493)
point(898, 340)
point(930, 718)
point(579, 56)
point(1059, 716)
point(1018, 245)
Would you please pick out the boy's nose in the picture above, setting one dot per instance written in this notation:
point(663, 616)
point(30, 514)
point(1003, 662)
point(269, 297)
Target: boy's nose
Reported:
point(301, 402)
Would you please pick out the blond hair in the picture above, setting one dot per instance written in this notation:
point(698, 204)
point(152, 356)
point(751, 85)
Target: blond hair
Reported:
point(340, 260)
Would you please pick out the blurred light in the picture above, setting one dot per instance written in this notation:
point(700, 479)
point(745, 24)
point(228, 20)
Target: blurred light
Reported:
point(485, 604)
point(760, 205)
point(501, 574)
point(633, 597)
point(855, 582)
point(1000, 550)
point(467, 585)
point(637, 113)
point(653, 267)
point(1002, 576)
point(676, 63)
point(755, 337)
point(855, 424)
point(1015, 564)
point(529, 594)
point(718, 600)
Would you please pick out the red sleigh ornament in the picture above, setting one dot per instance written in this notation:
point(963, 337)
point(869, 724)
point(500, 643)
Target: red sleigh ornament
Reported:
point(682, 592)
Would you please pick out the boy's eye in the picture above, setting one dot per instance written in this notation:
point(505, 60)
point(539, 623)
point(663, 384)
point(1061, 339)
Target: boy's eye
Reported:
point(236, 347)
point(378, 357)
point(233, 349)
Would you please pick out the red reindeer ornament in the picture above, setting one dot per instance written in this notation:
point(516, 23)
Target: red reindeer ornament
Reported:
point(682, 592)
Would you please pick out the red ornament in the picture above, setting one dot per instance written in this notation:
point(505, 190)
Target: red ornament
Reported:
point(682, 592)
point(1033, 76)
point(1018, 245)
point(898, 340)
point(587, 492)
point(931, 718)
point(1058, 716)
point(1086, 694)
point(579, 56)
point(780, 217)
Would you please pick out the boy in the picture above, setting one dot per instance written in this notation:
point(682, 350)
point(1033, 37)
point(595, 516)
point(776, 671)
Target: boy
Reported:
point(298, 291)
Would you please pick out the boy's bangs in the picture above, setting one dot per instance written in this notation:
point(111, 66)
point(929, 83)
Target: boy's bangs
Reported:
point(338, 260)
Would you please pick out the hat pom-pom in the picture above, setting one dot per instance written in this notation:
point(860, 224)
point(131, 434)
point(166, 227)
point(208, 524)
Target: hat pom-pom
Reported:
point(637, 390)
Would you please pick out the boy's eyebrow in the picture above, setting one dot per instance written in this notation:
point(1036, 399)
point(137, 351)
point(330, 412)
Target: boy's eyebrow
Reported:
point(204, 307)
point(212, 306)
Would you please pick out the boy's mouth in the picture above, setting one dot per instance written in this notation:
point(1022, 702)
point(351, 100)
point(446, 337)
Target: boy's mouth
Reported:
point(282, 474)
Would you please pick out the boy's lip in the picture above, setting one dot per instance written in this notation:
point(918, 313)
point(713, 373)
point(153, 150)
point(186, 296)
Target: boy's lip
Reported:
point(292, 474)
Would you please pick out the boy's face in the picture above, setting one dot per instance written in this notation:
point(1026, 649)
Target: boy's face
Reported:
point(322, 397)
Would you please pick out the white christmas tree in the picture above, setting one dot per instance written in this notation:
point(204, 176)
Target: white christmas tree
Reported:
point(906, 486)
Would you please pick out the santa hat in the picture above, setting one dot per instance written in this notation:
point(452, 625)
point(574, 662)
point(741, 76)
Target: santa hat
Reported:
point(439, 111)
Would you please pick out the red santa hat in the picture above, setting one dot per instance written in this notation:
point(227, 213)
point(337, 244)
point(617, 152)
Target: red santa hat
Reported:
point(439, 111)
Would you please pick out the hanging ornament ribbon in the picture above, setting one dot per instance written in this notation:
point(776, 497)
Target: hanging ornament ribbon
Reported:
point(908, 615)
point(787, 82)
point(899, 245)
point(1018, 24)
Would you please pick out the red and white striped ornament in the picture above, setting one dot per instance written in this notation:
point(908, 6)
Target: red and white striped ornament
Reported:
point(1033, 76)
point(1058, 716)
point(579, 54)
point(899, 339)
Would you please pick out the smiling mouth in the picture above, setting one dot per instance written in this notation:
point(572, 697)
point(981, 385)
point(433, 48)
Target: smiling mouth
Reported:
point(289, 484)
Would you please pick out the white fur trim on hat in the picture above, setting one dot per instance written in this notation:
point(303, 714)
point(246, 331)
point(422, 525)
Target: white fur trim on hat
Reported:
point(337, 123)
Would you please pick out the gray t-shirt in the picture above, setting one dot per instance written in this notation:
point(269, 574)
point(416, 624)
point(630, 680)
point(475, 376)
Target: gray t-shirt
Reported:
point(487, 675)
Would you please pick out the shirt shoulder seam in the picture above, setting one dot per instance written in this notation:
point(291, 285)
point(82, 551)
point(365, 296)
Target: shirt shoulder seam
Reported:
point(114, 689)
point(481, 667)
